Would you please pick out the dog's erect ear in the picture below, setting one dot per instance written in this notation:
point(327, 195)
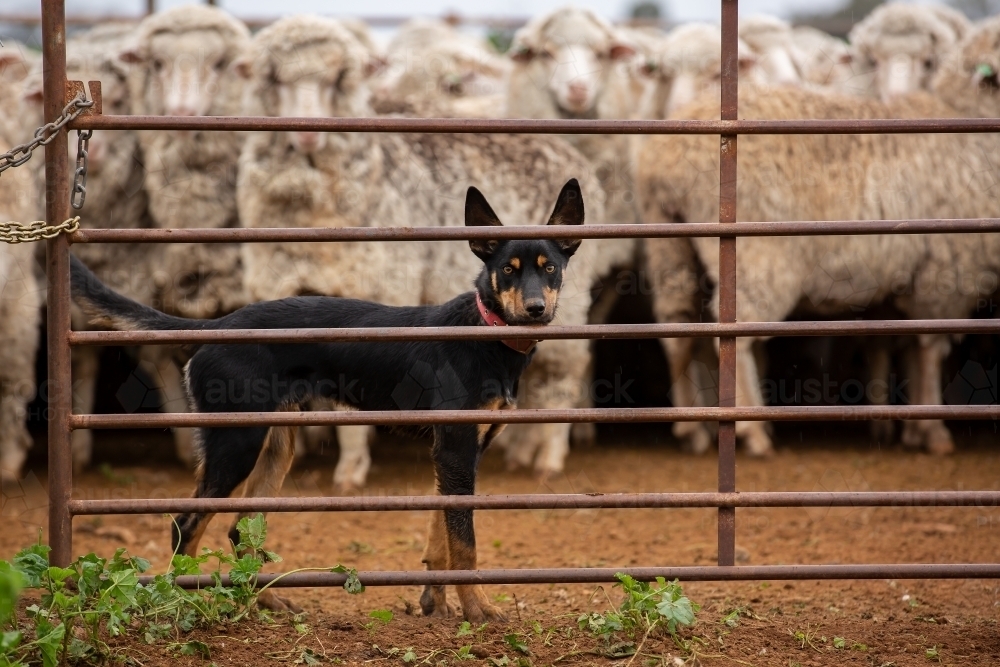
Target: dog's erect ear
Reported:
point(479, 214)
point(568, 211)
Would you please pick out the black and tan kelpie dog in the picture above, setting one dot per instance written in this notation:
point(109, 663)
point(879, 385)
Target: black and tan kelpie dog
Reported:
point(519, 284)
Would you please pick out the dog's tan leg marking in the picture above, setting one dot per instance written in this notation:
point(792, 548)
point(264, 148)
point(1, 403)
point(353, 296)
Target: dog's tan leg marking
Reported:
point(434, 601)
point(191, 549)
point(476, 607)
point(268, 475)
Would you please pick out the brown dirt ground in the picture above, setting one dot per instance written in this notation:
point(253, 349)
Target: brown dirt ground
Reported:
point(883, 622)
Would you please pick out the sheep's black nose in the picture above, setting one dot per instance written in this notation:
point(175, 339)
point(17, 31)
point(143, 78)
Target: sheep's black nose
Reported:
point(535, 307)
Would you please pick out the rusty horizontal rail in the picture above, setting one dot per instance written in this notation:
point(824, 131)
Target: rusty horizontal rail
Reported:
point(534, 126)
point(256, 22)
point(553, 332)
point(596, 575)
point(564, 416)
point(540, 501)
point(600, 231)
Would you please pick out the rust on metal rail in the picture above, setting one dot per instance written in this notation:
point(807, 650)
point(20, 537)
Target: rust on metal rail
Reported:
point(606, 231)
point(533, 126)
point(596, 575)
point(553, 501)
point(567, 416)
point(60, 462)
point(729, 102)
point(553, 332)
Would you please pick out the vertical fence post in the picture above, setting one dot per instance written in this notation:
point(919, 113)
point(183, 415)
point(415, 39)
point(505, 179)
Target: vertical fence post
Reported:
point(727, 280)
point(60, 476)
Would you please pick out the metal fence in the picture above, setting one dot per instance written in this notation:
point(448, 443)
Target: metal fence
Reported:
point(726, 500)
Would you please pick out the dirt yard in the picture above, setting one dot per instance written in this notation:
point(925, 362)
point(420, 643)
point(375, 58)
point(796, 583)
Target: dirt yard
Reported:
point(873, 623)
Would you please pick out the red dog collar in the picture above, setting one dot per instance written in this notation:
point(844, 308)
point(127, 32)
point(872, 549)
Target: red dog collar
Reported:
point(493, 320)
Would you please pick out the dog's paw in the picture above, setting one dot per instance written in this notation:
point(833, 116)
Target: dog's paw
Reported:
point(272, 601)
point(434, 604)
point(476, 607)
point(483, 612)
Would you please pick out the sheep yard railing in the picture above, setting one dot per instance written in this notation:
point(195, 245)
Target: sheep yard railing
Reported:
point(60, 339)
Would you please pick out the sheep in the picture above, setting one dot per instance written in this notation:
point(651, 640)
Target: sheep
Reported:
point(904, 44)
point(861, 177)
point(184, 56)
point(772, 41)
point(20, 286)
point(825, 61)
point(570, 63)
point(115, 199)
point(686, 64)
point(311, 179)
point(436, 71)
point(181, 60)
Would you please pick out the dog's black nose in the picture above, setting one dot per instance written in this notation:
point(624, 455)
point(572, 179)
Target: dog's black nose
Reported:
point(535, 307)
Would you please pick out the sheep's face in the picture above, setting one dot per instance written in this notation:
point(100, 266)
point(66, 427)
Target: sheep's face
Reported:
point(899, 73)
point(573, 60)
point(774, 65)
point(690, 69)
point(437, 77)
point(186, 71)
point(904, 63)
point(315, 82)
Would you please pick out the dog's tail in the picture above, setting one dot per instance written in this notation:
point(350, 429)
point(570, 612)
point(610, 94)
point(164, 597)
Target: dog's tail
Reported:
point(106, 307)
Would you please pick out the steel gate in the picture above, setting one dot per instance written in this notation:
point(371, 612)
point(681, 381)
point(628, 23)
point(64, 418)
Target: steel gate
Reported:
point(57, 92)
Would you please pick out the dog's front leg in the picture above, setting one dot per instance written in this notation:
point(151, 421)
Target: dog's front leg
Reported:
point(456, 457)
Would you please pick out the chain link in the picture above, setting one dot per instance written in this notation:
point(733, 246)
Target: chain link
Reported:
point(44, 135)
point(18, 232)
point(80, 175)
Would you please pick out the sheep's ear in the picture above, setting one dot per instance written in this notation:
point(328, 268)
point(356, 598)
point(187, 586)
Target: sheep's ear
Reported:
point(746, 61)
point(131, 55)
point(621, 51)
point(522, 54)
point(478, 213)
point(568, 211)
point(373, 66)
point(243, 67)
point(10, 57)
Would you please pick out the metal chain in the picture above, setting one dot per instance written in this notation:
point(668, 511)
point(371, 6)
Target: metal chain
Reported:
point(18, 232)
point(80, 175)
point(18, 155)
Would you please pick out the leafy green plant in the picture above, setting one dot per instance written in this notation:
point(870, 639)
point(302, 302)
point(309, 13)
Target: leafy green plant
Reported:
point(96, 598)
point(646, 608)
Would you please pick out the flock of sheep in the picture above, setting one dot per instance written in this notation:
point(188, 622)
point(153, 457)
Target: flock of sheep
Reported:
point(903, 61)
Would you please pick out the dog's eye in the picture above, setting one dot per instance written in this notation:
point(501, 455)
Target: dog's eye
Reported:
point(550, 268)
point(508, 269)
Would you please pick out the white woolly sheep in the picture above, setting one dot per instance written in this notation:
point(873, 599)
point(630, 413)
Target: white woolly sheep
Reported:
point(570, 63)
point(184, 57)
point(828, 62)
point(20, 286)
point(904, 44)
point(115, 199)
point(772, 41)
point(860, 177)
point(413, 180)
point(436, 71)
